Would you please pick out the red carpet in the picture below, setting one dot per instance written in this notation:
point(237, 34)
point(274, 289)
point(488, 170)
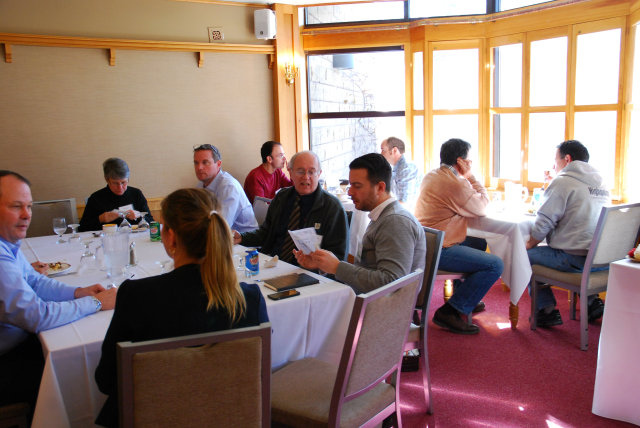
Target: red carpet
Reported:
point(507, 378)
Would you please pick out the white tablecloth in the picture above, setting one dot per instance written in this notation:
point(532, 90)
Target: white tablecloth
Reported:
point(616, 393)
point(507, 233)
point(312, 324)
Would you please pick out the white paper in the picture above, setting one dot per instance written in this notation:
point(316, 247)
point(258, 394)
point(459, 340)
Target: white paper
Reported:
point(306, 239)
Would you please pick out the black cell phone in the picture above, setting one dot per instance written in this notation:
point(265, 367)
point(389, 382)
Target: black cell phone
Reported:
point(283, 294)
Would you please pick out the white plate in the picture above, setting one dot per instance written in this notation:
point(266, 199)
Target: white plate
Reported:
point(64, 267)
point(136, 230)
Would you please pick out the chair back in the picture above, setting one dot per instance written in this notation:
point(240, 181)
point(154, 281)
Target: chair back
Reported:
point(43, 213)
point(260, 208)
point(615, 233)
point(220, 378)
point(375, 339)
point(434, 238)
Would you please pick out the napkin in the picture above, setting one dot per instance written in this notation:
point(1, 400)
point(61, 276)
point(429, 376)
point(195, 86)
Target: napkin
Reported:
point(271, 262)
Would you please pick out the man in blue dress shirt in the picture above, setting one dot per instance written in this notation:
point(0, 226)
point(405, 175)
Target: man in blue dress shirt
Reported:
point(30, 302)
point(236, 208)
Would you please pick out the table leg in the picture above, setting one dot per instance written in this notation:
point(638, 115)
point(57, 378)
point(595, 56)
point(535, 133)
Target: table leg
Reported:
point(505, 286)
point(514, 312)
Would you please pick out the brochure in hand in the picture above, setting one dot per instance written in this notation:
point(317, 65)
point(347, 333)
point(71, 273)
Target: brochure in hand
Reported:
point(292, 280)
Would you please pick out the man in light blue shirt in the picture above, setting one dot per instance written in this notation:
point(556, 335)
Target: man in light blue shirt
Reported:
point(404, 176)
point(30, 302)
point(236, 208)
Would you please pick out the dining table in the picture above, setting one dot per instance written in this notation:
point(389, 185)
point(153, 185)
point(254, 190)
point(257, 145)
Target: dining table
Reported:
point(312, 324)
point(507, 228)
point(617, 385)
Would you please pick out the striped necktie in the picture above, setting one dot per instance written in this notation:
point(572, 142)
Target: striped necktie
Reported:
point(286, 250)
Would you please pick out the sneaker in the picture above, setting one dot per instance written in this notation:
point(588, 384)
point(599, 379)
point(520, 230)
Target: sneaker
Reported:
point(546, 320)
point(596, 309)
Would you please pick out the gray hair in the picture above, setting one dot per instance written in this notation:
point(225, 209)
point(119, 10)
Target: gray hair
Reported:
point(292, 161)
point(115, 168)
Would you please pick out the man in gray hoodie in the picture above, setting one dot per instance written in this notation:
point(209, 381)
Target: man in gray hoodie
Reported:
point(567, 219)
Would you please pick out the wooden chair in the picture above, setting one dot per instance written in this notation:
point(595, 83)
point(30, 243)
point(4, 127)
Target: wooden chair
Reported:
point(213, 379)
point(314, 393)
point(43, 212)
point(615, 233)
point(260, 208)
point(417, 338)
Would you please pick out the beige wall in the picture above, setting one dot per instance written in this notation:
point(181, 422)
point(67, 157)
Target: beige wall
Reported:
point(64, 110)
point(128, 19)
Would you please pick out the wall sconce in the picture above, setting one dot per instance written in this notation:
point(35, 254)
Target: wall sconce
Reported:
point(290, 73)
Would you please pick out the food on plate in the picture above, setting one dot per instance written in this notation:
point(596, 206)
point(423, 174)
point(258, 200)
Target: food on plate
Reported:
point(57, 267)
point(634, 253)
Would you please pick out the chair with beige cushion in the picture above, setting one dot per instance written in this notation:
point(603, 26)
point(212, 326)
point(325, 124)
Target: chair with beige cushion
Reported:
point(43, 213)
point(615, 233)
point(212, 379)
point(260, 208)
point(313, 393)
point(417, 338)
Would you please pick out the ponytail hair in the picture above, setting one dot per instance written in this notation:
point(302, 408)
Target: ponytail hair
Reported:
point(205, 235)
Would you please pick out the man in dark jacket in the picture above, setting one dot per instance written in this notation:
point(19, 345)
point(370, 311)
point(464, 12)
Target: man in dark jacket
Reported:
point(304, 205)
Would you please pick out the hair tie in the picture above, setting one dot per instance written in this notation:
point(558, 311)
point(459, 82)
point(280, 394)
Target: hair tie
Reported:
point(212, 212)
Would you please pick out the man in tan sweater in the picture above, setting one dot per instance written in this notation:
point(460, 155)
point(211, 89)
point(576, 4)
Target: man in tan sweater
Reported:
point(449, 195)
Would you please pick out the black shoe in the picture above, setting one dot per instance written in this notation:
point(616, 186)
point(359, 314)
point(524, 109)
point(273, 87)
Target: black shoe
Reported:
point(596, 309)
point(448, 317)
point(546, 320)
point(410, 363)
point(480, 307)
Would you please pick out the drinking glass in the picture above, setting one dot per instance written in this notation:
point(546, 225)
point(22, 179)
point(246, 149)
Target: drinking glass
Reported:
point(59, 227)
point(124, 224)
point(116, 253)
point(74, 229)
point(143, 224)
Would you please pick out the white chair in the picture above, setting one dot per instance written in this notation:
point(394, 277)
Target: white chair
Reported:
point(43, 213)
point(260, 208)
point(212, 379)
point(615, 234)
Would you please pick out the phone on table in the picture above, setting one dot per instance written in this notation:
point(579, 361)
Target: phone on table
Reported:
point(283, 294)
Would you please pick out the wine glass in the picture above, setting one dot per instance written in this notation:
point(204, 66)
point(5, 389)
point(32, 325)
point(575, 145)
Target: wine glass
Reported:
point(124, 224)
point(74, 229)
point(143, 224)
point(59, 227)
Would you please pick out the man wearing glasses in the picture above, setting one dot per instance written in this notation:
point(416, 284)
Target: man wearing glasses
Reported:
point(236, 209)
point(404, 177)
point(266, 179)
point(449, 196)
point(304, 205)
point(393, 245)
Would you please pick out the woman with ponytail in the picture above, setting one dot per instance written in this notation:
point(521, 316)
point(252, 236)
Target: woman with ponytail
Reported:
point(200, 295)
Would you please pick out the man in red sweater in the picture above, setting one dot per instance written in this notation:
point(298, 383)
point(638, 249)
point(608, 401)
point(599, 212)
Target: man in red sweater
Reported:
point(266, 179)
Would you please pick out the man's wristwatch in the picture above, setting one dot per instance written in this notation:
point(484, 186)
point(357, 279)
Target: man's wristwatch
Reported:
point(97, 302)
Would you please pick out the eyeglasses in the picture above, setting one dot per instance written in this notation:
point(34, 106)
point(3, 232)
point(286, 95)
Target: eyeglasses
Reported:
point(214, 149)
point(302, 172)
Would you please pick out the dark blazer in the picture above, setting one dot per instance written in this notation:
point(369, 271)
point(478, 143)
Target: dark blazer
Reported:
point(105, 200)
point(326, 215)
point(168, 305)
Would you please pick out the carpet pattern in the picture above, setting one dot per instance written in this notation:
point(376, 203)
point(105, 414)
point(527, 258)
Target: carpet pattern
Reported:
point(507, 378)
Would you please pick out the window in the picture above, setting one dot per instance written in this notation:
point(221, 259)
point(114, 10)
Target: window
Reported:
point(430, 8)
point(356, 100)
point(548, 85)
point(355, 12)
point(597, 67)
point(514, 4)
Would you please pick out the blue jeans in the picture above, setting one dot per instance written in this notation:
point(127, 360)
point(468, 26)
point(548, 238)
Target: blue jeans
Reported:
point(558, 260)
point(482, 269)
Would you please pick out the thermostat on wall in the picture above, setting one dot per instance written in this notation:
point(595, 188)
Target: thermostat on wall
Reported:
point(215, 34)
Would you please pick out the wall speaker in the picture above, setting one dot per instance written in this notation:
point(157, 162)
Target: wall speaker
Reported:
point(264, 23)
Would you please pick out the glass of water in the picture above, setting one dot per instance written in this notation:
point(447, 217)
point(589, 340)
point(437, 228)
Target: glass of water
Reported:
point(59, 227)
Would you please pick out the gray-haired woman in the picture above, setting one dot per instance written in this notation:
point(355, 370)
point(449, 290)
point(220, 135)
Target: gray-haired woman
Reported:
point(104, 205)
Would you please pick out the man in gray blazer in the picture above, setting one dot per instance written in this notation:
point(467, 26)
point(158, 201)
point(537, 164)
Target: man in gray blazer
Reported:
point(393, 244)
